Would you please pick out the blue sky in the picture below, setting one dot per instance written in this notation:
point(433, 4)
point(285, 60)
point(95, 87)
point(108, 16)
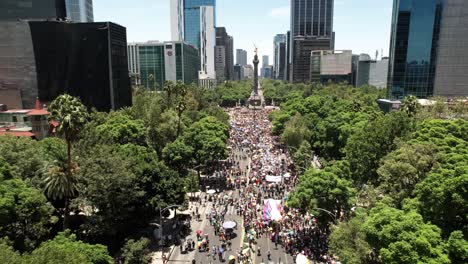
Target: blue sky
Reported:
point(360, 25)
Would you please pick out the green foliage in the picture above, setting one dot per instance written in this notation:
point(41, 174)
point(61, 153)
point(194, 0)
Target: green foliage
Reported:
point(324, 190)
point(410, 105)
point(402, 237)
point(368, 146)
point(8, 255)
point(137, 251)
point(230, 93)
point(25, 214)
point(348, 241)
point(109, 190)
point(178, 155)
point(23, 157)
point(207, 138)
point(442, 195)
point(6, 171)
point(71, 115)
point(458, 248)
point(295, 132)
point(303, 157)
point(65, 248)
point(402, 169)
point(123, 129)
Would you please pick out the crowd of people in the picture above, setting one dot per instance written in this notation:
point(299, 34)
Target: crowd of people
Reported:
point(258, 169)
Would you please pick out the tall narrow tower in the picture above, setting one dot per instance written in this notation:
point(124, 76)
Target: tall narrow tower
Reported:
point(311, 29)
point(255, 78)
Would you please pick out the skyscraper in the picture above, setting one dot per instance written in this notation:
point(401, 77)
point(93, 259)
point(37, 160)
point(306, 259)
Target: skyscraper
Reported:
point(311, 29)
point(452, 69)
point(279, 56)
point(414, 47)
point(133, 63)
point(33, 9)
point(44, 59)
point(80, 10)
point(224, 55)
point(241, 57)
point(194, 22)
point(265, 61)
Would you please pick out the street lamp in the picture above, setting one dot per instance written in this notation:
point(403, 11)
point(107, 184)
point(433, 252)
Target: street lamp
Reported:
point(160, 217)
point(326, 211)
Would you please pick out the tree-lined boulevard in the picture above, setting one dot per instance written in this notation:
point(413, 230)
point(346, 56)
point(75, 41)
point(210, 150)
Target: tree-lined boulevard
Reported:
point(324, 174)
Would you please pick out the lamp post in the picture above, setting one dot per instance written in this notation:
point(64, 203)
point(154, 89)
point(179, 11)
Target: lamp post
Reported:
point(326, 211)
point(160, 217)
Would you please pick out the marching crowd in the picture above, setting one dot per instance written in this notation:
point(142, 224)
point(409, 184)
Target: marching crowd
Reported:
point(268, 175)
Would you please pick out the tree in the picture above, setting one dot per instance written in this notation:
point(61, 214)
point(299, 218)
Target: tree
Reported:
point(8, 255)
point(321, 189)
point(458, 248)
point(25, 214)
point(375, 140)
point(402, 169)
point(181, 91)
point(178, 155)
point(110, 194)
point(137, 251)
point(71, 115)
point(207, 138)
point(348, 241)
point(65, 248)
point(410, 105)
point(123, 129)
point(401, 237)
point(23, 158)
point(303, 157)
point(295, 132)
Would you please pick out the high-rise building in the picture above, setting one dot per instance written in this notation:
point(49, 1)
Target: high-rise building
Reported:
point(279, 56)
point(80, 10)
point(265, 61)
point(224, 55)
point(413, 47)
point(238, 72)
point(267, 72)
point(311, 30)
point(452, 69)
point(220, 63)
point(248, 71)
point(363, 70)
point(378, 73)
point(133, 63)
point(166, 61)
point(44, 59)
point(14, 10)
point(194, 22)
point(288, 73)
point(332, 66)
point(241, 57)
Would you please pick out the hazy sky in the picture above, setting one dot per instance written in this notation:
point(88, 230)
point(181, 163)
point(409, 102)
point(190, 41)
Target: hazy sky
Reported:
point(360, 25)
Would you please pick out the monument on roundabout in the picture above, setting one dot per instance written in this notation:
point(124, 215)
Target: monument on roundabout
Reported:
point(256, 100)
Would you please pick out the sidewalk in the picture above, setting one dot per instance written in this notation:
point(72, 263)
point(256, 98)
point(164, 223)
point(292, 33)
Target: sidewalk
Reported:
point(157, 256)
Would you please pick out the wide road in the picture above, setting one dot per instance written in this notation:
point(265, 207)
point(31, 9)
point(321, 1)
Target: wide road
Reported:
point(278, 255)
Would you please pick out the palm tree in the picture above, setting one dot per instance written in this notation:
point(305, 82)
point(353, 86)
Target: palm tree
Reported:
point(181, 104)
point(71, 115)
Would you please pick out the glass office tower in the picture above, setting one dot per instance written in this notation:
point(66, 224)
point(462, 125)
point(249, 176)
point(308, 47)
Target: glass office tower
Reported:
point(311, 29)
point(413, 47)
point(80, 10)
point(192, 19)
point(32, 9)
